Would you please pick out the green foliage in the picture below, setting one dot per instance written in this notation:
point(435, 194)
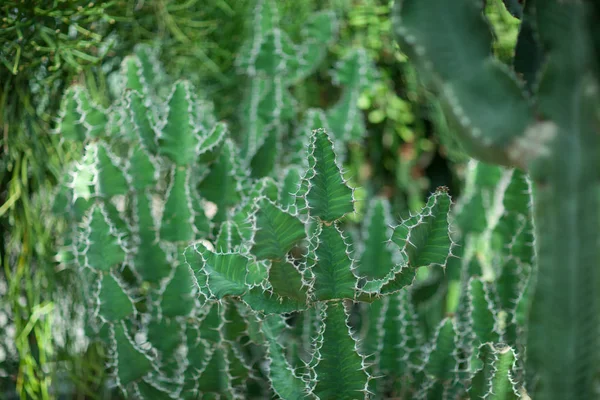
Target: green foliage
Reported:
point(540, 116)
point(216, 266)
point(196, 283)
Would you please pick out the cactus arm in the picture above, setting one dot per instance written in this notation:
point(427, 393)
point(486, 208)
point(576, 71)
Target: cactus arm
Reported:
point(292, 178)
point(131, 362)
point(177, 222)
point(284, 379)
point(143, 121)
point(142, 170)
point(69, 120)
point(434, 33)
point(179, 139)
point(314, 118)
point(503, 386)
point(111, 178)
point(495, 369)
point(440, 361)
point(114, 303)
point(149, 257)
point(223, 183)
point(317, 34)
point(223, 274)
point(149, 391)
point(178, 296)
point(103, 247)
point(329, 198)
point(378, 255)
point(331, 266)
point(483, 317)
point(565, 312)
point(268, 302)
point(150, 69)
point(340, 370)
point(355, 73)
point(424, 238)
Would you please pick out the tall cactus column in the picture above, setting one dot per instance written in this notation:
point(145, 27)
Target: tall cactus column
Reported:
point(564, 319)
point(553, 134)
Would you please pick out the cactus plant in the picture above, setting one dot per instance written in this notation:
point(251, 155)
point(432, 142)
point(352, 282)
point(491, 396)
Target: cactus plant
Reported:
point(273, 63)
point(204, 281)
point(540, 116)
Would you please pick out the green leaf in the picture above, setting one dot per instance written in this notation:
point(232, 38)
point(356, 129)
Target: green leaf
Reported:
point(179, 139)
point(276, 231)
point(329, 198)
point(331, 266)
point(339, 370)
point(113, 303)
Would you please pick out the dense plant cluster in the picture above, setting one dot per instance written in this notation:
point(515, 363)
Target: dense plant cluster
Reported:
point(275, 241)
point(202, 279)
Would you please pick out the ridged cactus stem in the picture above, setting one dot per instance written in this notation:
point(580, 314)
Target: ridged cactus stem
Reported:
point(552, 133)
point(564, 317)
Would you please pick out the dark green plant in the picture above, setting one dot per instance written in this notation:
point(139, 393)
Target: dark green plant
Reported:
point(540, 116)
point(189, 265)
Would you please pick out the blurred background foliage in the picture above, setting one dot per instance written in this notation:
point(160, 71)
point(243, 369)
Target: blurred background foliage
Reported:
point(46, 45)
